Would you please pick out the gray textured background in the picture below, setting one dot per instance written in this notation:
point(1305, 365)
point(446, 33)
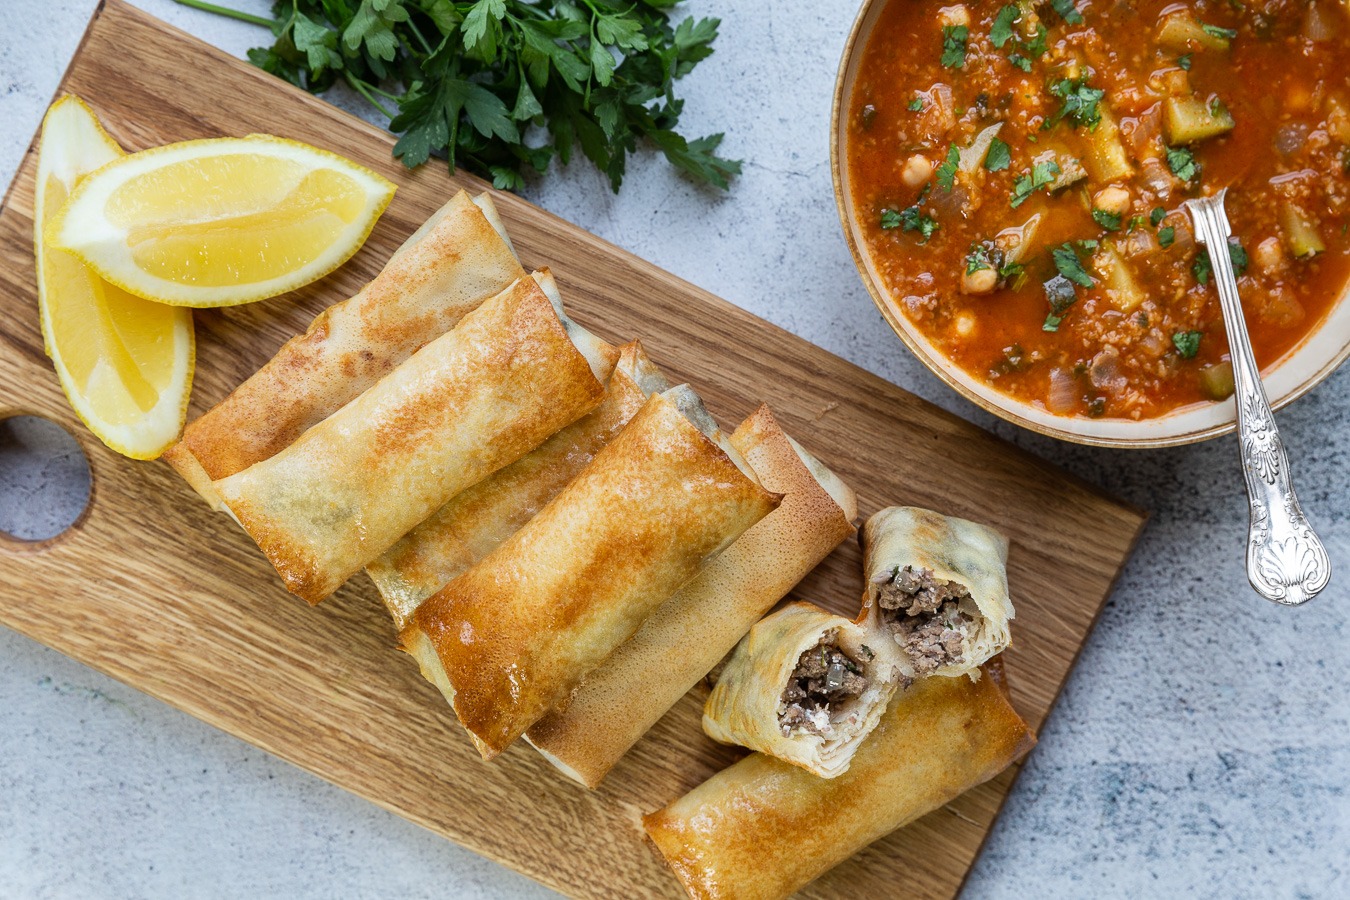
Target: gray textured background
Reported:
point(1200, 748)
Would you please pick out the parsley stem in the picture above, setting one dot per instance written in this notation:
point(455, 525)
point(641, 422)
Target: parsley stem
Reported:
point(227, 12)
point(364, 90)
point(417, 32)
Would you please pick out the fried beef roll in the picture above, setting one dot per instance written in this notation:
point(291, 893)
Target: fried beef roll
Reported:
point(509, 375)
point(475, 521)
point(939, 586)
point(763, 828)
point(454, 262)
point(511, 637)
point(804, 686)
point(692, 631)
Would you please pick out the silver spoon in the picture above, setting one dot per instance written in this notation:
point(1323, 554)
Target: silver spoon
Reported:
point(1286, 561)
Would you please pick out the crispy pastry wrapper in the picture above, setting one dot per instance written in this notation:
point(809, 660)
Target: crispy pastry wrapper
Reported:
point(747, 706)
point(690, 633)
point(454, 262)
point(511, 637)
point(955, 550)
point(475, 521)
point(762, 828)
point(512, 373)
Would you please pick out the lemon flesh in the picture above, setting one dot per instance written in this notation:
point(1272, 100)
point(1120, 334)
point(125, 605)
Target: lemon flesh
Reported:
point(125, 363)
point(221, 222)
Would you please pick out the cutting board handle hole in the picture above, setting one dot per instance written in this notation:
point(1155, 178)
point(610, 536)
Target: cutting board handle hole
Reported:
point(45, 481)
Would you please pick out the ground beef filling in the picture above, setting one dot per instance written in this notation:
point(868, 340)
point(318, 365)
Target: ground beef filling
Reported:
point(923, 613)
point(824, 678)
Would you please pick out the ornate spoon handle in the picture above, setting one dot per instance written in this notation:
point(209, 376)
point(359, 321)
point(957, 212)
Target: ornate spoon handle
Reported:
point(1286, 561)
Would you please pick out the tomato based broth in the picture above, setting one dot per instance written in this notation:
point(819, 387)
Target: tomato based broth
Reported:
point(1018, 170)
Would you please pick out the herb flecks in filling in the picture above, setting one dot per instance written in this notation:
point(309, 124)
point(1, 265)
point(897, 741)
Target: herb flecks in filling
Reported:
point(824, 679)
point(924, 614)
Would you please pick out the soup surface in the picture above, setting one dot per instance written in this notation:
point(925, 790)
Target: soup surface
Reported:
point(1018, 170)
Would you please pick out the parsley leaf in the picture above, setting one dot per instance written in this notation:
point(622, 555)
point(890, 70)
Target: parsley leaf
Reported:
point(1184, 62)
point(1108, 220)
point(1157, 216)
point(978, 259)
point(916, 105)
point(1080, 103)
point(1069, 265)
point(1187, 343)
point(1216, 31)
point(1203, 266)
point(504, 87)
point(1067, 11)
point(1002, 30)
point(1182, 163)
point(999, 156)
point(911, 218)
point(954, 45)
point(1166, 236)
point(946, 171)
point(1041, 175)
point(1027, 51)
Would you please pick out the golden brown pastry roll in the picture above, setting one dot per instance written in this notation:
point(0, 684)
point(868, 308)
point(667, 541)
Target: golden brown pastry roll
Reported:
point(803, 686)
point(691, 632)
point(475, 521)
point(479, 397)
point(510, 638)
point(762, 828)
point(939, 586)
point(454, 262)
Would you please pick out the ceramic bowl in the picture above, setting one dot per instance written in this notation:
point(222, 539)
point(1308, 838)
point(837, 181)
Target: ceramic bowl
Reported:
point(1289, 378)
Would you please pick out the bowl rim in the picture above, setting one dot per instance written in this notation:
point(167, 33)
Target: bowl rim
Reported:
point(1222, 418)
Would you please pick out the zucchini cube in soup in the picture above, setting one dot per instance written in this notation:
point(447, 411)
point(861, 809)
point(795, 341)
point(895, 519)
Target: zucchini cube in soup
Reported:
point(1190, 119)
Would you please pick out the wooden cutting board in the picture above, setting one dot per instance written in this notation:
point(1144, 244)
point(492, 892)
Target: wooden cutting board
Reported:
point(152, 588)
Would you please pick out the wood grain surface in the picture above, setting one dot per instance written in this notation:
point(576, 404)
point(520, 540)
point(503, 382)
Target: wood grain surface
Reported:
point(152, 588)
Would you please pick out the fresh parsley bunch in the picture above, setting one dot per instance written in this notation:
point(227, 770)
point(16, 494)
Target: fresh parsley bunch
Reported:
point(501, 87)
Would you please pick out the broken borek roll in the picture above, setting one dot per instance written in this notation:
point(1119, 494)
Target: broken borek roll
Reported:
point(805, 686)
point(938, 586)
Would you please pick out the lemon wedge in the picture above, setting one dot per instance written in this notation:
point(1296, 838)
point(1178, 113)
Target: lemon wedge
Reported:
point(221, 222)
point(125, 363)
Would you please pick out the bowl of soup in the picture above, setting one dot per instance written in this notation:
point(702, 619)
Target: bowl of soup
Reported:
point(1010, 177)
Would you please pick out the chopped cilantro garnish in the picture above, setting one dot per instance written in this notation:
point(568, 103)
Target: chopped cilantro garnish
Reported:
point(1108, 220)
point(1204, 267)
point(1182, 163)
point(946, 171)
point(1067, 11)
point(1052, 323)
point(1184, 62)
point(1166, 236)
point(978, 259)
point(1042, 174)
point(1187, 343)
point(911, 218)
point(1002, 30)
point(1089, 245)
point(1157, 216)
point(999, 156)
point(954, 45)
point(1070, 266)
point(1080, 103)
point(1027, 51)
point(1216, 31)
point(916, 105)
point(1136, 222)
